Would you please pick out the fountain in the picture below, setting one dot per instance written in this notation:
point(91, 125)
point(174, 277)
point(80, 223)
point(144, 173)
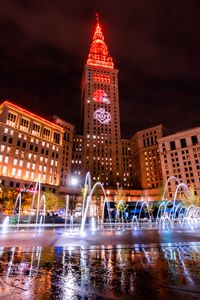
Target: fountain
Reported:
point(18, 202)
point(171, 216)
point(5, 224)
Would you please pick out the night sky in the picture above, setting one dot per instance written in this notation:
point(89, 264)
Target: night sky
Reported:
point(154, 44)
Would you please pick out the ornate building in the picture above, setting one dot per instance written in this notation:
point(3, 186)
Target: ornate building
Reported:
point(100, 114)
point(30, 149)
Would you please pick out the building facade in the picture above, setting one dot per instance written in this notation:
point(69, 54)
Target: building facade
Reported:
point(30, 148)
point(147, 172)
point(68, 140)
point(100, 115)
point(180, 158)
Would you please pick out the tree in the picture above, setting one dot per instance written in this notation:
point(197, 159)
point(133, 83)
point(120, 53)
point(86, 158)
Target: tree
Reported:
point(120, 201)
point(54, 201)
point(190, 198)
point(8, 199)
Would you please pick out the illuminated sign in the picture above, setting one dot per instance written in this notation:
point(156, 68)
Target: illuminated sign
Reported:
point(101, 97)
point(102, 116)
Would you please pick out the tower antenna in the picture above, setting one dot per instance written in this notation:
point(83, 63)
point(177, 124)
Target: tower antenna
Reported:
point(97, 16)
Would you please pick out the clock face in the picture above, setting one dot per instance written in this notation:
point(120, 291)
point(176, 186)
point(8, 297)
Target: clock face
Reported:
point(102, 116)
point(100, 96)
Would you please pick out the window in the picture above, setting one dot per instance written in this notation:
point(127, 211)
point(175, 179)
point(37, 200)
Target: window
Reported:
point(13, 171)
point(11, 119)
point(36, 129)
point(183, 143)
point(19, 173)
point(15, 162)
point(24, 124)
point(46, 133)
point(4, 138)
point(18, 143)
point(172, 145)
point(56, 138)
point(194, 140)
point(10, 140)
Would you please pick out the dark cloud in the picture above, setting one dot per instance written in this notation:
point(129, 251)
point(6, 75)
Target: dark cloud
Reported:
point(156, 46)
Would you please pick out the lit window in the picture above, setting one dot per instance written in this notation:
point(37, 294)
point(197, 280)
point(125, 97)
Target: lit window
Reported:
point(29, 155)
point(46, 133)
point(21, 163)
point(27, 174)
point(24, 124)
point(6, 130)
point(15, 162)
point(36, 129)
point(4, 170)
point(19, 173)
point(33, 166)
point(1, 157)
point(6, 159)
point(28, 165)
point(2, 148)
point(13, 171)
point(11, 119)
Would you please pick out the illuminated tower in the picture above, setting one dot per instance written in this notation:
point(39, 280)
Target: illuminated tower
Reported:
point(100, 114)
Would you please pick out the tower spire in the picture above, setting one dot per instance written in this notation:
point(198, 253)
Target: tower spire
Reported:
point(99, 54)
point(97, 17)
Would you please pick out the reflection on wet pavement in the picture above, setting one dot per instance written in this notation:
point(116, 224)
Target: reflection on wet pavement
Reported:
point(121, 272)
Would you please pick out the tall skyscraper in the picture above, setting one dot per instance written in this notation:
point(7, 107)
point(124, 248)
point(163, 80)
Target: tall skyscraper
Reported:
point(100, 114)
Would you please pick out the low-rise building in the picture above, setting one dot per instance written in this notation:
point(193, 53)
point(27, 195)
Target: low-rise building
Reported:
point(180, 158)
point(146, 164)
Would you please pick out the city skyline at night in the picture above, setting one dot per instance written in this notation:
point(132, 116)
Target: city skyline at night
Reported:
point(41, 61)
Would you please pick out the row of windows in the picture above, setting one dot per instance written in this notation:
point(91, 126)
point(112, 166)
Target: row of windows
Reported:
point(36, 128)
point(183, 143)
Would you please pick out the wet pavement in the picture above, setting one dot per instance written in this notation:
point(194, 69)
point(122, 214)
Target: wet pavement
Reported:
point(168, 271)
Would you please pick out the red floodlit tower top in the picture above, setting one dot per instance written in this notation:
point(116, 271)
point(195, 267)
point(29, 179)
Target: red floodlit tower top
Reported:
point(99, 55)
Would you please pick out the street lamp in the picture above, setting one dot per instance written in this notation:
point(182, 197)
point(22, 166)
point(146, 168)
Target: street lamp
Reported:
point(74, 181)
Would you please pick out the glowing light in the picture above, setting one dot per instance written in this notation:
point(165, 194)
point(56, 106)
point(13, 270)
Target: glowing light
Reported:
point(74, 181)
point(99, 55)
point(101, 77)
point(101, 96)
point(102, 116)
